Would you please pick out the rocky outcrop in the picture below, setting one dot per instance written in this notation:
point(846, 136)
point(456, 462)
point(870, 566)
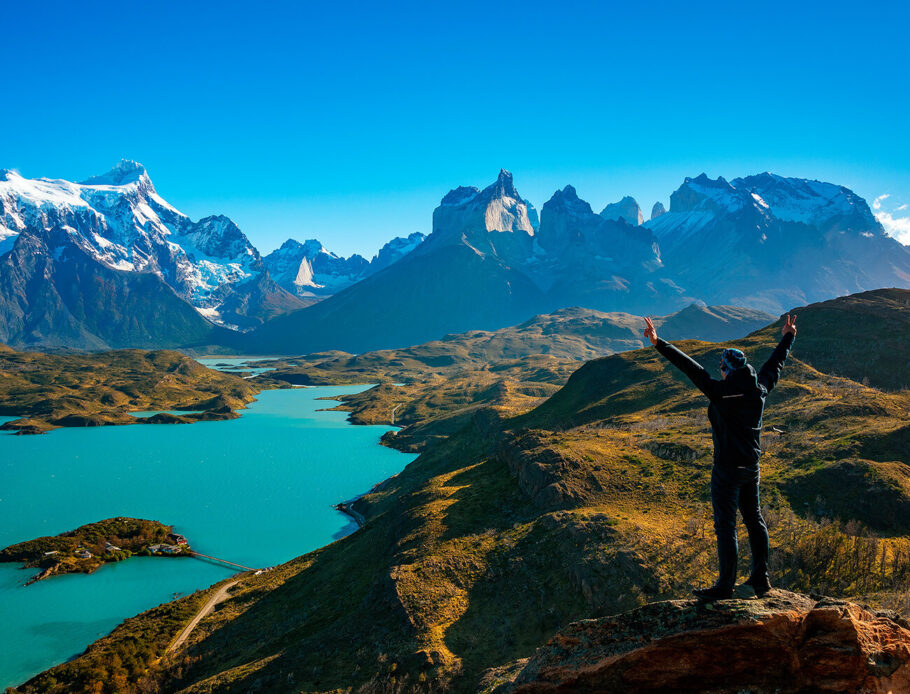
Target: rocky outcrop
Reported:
point(658, 210)
point(463, 277)
point(540, 470)
point(309, 270)
point(597, 261)
point(495, 221)
point(398, 248)
point(784, 643)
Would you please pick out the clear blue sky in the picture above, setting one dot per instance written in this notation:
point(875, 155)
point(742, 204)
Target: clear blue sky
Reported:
point(348, 122)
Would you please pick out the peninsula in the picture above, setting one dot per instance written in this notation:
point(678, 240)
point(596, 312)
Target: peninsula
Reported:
point(46, 391)
point(86, 548)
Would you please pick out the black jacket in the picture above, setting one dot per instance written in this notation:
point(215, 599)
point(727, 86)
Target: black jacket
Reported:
point(737, 402)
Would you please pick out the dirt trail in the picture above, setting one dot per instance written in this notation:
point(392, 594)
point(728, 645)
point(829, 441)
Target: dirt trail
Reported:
point(220, 596)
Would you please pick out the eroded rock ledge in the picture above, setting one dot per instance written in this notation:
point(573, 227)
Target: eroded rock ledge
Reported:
point(785, 643)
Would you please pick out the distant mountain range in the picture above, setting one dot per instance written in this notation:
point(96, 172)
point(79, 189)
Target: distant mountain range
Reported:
point(772, 242)
point(489, 262)
point(310, 271)
point(109, 263)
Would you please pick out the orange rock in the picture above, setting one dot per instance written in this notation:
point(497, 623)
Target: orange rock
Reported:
point(783, 644)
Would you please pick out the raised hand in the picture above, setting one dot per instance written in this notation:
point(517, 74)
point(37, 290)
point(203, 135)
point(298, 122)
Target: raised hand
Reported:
point(651, 331)
point(789, 327)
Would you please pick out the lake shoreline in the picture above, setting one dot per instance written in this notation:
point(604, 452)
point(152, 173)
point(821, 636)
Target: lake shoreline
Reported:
point(258, 491)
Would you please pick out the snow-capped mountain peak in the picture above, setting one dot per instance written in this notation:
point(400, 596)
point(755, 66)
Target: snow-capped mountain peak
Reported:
point(119, 220)
point(459, 196)
point(809, 201)
point(125, 172)
point(396, 249)
point(505, 185)
point(309, 269)
point(217, 236)
point(567, 200)
point(703, 193)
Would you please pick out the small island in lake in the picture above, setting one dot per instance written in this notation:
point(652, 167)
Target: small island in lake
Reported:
point(86, 548)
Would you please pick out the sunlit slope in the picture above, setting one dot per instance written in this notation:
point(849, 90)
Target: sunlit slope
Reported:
point(52, 390)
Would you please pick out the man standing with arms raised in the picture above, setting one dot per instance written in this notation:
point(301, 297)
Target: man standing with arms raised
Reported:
point(735, 413)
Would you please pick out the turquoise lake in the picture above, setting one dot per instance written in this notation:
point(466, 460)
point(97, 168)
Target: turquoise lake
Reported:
point(258, 490)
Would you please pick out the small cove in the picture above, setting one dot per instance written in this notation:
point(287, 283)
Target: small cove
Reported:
point(257, 490)
point(237, 364)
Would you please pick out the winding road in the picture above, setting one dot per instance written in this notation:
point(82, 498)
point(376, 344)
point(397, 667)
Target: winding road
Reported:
point(220, 596)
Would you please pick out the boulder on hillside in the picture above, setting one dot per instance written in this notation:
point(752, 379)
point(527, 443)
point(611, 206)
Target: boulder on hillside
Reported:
point(784, 643)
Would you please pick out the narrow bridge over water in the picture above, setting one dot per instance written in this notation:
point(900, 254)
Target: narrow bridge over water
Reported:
point(221, 561)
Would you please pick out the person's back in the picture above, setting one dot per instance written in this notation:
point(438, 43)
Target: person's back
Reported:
point(735, 411)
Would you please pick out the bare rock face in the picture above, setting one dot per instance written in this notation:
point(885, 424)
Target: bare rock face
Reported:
point(482, 216)
point(626, 209)
point(783, 644)
point(658, 210)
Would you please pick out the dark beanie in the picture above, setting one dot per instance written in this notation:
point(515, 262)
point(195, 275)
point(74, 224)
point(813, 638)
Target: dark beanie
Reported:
point(733, 359)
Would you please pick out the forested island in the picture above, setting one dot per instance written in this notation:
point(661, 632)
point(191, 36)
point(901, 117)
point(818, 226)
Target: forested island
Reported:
point(86, 548)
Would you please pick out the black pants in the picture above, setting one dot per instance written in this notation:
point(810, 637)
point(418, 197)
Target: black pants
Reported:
point(733, 488)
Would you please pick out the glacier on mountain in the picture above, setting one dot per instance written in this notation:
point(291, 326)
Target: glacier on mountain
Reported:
point(771, 242)
point(119, 220)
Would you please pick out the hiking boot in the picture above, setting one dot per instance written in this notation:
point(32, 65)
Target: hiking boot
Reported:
point(761, 586)
point(715, 592)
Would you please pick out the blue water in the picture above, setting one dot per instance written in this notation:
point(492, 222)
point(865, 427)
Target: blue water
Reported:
point(257, 490)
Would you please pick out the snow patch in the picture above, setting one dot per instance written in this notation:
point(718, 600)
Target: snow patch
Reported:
point(121, 221)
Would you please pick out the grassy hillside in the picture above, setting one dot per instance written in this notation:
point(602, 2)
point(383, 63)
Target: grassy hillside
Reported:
point(539, 511)
point(436, 407)
point(52, 390)
point(128, 659)
point(863, 337)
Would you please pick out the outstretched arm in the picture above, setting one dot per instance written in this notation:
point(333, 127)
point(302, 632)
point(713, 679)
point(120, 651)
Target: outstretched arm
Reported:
point(770, 372)
point(682, 361)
